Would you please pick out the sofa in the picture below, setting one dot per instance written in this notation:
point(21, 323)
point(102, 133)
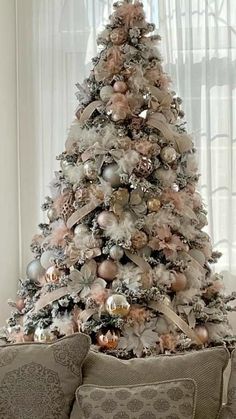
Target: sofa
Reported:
point(68, 379)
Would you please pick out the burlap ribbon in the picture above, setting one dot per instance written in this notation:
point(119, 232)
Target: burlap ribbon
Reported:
point(171, 315)
point(82, 212)
point(182, 142)
point(89, 110)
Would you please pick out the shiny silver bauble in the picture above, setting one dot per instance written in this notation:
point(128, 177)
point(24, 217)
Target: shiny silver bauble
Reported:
point(110, 174)
point(35, 270)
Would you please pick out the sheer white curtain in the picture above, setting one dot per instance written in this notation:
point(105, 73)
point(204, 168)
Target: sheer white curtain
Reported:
point(199, 47)
point(56, 40)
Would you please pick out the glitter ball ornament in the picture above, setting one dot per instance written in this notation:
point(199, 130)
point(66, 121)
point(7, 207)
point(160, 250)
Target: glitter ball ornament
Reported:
point(139, 240)
point(107, 270)
point(144, 168)
point(106, 219)
point(154, 204)
point(52, 214)
point(178, 282)
point(120, 87)
point(35, 270)
point(90, 170)
point(116, 252)
point(110, 174)
point(106, 93)
point(117, 305)
point(168, 154)
point(47, 259)
point(108, 340)
point(52, 274)
point(202, 332)
point(118, 36)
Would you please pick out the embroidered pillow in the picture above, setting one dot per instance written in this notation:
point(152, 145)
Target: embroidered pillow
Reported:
point(167, 400)
point(39, 380)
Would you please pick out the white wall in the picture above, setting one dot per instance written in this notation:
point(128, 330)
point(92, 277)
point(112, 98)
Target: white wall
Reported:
point(9, 237)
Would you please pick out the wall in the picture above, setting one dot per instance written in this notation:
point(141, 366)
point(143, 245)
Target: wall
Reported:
point(9, 237)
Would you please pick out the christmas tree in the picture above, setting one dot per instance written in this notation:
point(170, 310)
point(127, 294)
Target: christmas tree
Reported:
point(123, 256)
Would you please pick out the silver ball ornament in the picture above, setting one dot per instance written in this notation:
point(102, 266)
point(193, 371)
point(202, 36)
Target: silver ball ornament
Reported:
point(168, 154)
point(65, 165)
point(110, 174)
point(52, 214)
point(35, 270)
point(116, 252)
point(106, 93)
point(47, 259)
point(90, 170)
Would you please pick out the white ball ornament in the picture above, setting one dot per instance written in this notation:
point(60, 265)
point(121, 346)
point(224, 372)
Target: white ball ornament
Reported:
point(80, 230)
point(110, 174)
point(106, 93)
point(106, 219)
point(35, 270)
point(47, 259)
point(116, 252)
point(117, 305)
point(52, 214)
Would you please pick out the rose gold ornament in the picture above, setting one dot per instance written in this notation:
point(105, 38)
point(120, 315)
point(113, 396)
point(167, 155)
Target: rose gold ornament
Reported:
point(179, 282)
point(202, 333)
point(28, 338)
point(139, 240)
point(107, 270)
point(106, 219)
point(20, 304)
point(118, 36)
point(90, 170)
point(154, 204)
point(168, 154)
point(120, 87)
point(144, 167)
point(108, 340)
point(117, 305)
point(52, 274)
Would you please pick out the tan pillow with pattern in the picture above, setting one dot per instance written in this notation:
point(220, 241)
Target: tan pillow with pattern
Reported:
point(229, 411)
point(204, 367)
point(38, 381)
point(166, 400)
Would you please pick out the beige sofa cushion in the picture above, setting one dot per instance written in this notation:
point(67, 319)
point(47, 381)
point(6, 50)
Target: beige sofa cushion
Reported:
point(38, 381)
point(229, 411)
point(169, 399)
point(204, 367)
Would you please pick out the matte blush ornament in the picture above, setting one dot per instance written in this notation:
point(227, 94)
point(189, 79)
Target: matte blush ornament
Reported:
point(90, 170)
point(179, 282)
point(116, 252)
point(108, 340)
point(117, 305)
point(35, 270)
point(52, 274)
point(20, 304)
point(106, 219)
point(202, 333)
point(106, 93)
point(107, 270)
point(52, 214)
point(154, 204)
point(47, 259)
point(168, 154)
point(110, 175)
point(198, 256)
point(120, 87)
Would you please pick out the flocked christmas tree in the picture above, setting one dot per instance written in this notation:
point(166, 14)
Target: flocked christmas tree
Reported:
point(123, 257)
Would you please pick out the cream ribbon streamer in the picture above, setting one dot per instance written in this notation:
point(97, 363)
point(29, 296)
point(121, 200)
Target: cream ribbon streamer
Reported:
point(139, 261)
point(89, 110)
point(81, 213)
point(171, 315)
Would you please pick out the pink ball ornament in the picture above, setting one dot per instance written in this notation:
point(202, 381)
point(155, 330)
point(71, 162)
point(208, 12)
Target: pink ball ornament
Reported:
point(202, 333)
point(106, 219)
point(119, 115)
point(120, 87)
point(107, 270)
point(179, 282)
point(20, 304)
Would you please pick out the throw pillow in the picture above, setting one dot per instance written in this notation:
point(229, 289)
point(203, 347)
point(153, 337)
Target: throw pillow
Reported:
point(229, 411)
point(204, 367)
point(170, 399)
point(38, 380)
